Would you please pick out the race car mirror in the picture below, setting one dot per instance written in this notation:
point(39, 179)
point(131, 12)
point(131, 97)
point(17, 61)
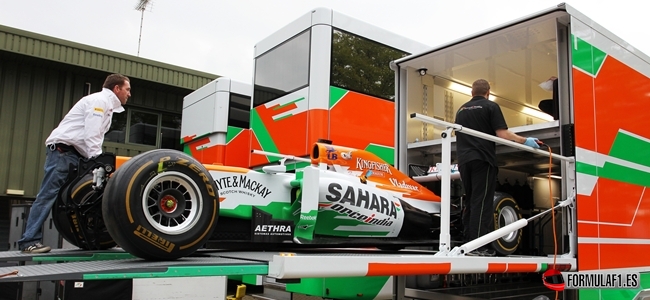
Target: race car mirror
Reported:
point(364, 177)
point(274, 169)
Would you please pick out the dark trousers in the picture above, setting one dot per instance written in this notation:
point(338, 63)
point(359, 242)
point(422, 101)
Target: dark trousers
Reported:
point(479, 181)
point(57, 164)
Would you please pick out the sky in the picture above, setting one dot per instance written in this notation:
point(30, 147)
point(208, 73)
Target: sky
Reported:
point(218, 36)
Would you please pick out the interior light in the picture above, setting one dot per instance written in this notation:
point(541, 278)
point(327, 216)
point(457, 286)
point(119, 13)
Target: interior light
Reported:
point(460, 88)
point(543, 176)
point(466, 90)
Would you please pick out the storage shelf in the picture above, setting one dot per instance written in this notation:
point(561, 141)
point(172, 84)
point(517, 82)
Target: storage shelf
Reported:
point(508, 157)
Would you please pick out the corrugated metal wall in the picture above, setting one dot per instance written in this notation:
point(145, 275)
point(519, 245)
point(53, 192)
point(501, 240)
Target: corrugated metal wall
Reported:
point(35, 94)
point(67, 52)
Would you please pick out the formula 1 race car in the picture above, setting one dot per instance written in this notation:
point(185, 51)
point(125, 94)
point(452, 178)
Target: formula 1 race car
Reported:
point(163, 205)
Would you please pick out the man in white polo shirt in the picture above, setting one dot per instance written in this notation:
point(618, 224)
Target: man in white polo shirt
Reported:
point(79, 135)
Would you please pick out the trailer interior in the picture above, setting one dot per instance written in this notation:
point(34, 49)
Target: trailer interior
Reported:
point(515, 59)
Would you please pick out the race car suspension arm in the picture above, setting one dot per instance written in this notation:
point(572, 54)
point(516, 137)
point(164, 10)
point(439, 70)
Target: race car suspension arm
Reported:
point(82, 214)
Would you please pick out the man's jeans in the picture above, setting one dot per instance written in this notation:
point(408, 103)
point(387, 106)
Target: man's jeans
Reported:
point(57, 165)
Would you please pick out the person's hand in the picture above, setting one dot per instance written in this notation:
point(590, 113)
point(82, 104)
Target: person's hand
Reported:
point(532, 142)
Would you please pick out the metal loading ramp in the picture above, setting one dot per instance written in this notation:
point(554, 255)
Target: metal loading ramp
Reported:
point(127, 268)
point(61, 255)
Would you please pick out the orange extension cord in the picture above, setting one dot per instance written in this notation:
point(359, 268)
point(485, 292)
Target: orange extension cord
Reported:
point(550, 199)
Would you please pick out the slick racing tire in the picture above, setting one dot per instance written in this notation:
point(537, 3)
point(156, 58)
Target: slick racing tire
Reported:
point(161, 205)
point(93, 222)
point(506, 211)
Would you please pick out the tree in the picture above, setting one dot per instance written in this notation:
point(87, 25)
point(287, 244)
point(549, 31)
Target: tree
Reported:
point(362, 65)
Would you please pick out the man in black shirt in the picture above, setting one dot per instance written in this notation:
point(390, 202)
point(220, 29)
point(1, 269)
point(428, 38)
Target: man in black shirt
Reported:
point(477, 161)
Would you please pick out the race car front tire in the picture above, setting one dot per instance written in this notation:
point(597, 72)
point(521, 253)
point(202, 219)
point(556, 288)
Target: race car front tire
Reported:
point(161, 205)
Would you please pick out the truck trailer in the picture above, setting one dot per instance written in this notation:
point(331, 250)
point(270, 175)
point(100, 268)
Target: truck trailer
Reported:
point(598, 76)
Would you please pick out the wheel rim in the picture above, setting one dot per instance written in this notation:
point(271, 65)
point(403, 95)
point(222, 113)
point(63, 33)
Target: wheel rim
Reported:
point(171, 203)
point(507, 216)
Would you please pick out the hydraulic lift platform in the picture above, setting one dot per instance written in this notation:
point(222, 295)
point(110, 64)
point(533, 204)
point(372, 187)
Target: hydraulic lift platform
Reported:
point(311, 263)
point(277, 272)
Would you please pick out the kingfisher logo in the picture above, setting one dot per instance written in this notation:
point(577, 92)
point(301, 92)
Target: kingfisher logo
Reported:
point(363, 164)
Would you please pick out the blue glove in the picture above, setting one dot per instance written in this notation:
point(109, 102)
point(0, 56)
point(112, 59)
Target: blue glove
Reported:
point(531, 142)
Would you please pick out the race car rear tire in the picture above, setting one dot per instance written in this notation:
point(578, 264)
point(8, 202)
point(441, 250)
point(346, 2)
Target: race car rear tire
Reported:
point(506, 211)
point(81, 192)
point(161, 205)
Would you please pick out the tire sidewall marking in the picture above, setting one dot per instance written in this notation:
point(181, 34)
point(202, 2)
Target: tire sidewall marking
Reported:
point(128, 190)
point(496, 223)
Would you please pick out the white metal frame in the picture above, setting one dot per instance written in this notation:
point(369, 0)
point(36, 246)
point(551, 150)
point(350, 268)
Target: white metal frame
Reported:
point(445, 238)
